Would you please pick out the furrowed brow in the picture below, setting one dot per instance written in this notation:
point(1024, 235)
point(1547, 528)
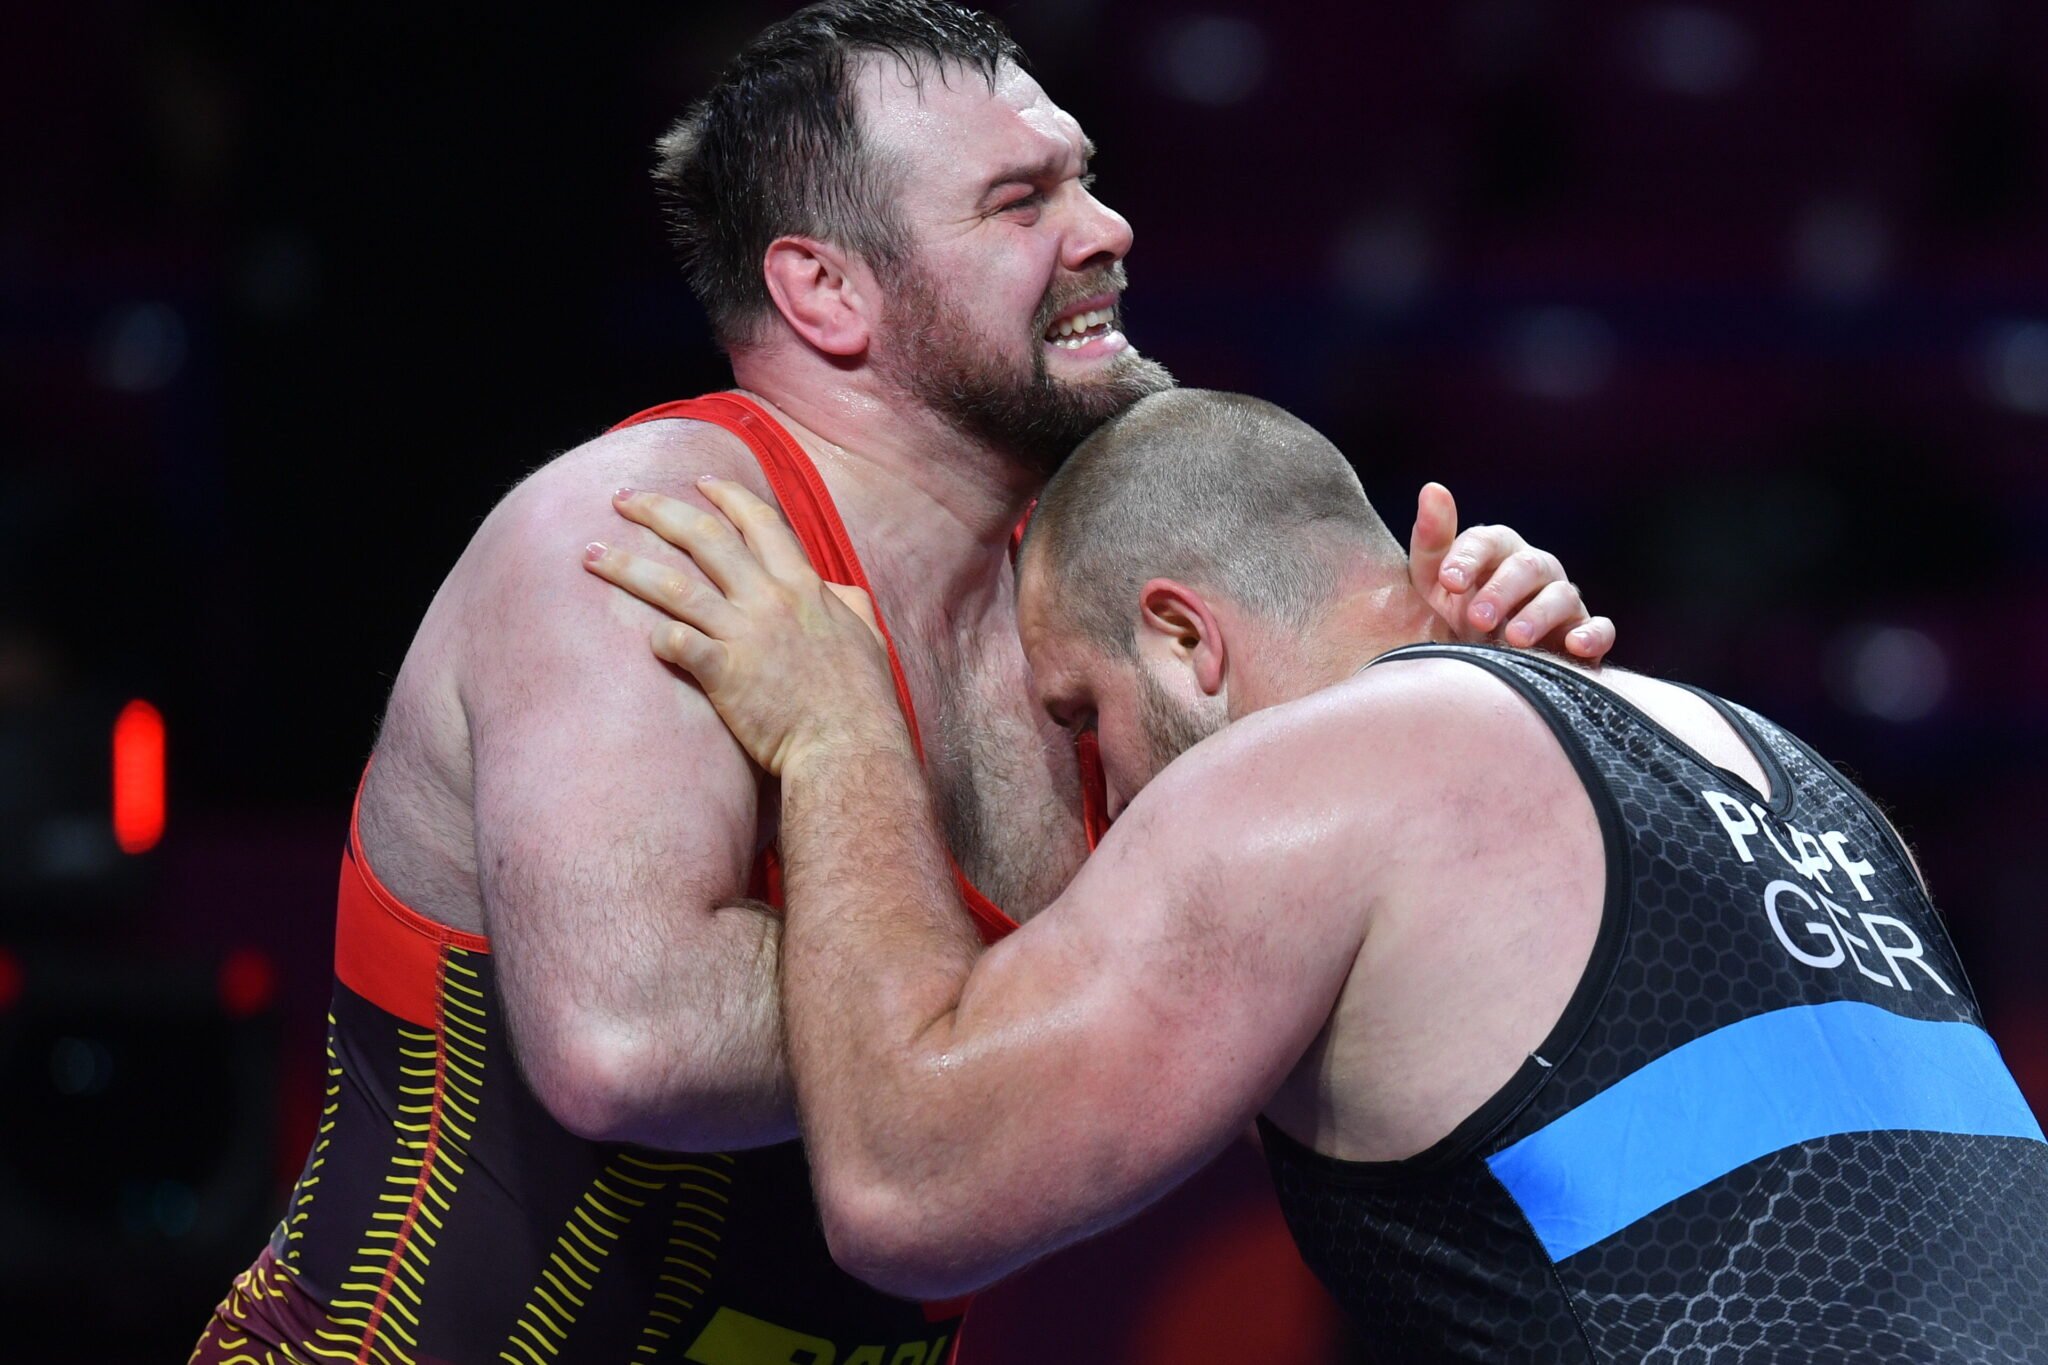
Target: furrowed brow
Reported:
point(1036, 172)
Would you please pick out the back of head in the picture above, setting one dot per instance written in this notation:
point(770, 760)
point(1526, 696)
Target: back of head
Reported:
point(775, 148)
point(1221, 491)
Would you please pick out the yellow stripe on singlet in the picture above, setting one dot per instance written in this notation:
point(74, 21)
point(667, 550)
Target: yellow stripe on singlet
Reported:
point(392, 1263)
point(302, 1203)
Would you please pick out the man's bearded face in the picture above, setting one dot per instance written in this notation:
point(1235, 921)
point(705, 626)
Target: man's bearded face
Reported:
point(999, 390)
point(1170, 727)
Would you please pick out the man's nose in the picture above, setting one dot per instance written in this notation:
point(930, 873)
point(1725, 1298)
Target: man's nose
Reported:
point(1100, 236)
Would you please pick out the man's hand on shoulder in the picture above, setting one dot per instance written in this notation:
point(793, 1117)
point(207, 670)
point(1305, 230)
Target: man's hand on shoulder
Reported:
point(790, 661)
point(616, 824)
point(1491, 584)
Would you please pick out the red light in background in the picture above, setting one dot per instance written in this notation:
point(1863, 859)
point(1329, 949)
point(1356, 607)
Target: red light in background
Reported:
point(138, 777)
point(11, 979)
point(247, 983)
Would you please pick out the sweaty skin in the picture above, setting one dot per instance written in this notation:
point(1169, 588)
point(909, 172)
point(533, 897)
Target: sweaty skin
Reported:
point(1224, 951)
point(536, 781)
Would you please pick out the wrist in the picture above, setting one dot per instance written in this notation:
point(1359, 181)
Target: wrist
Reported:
point(848, 741)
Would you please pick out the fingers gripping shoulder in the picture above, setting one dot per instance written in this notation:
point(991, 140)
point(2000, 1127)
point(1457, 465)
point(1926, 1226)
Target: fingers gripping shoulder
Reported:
point(574, 724)
point(529, 608)
point(769, 642)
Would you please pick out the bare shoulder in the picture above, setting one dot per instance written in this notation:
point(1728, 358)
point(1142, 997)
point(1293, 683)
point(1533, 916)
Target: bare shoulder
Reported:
point(1403, 725)
point(529, 676)
point(1444, 735)
point(535, 639)
point(571, 495)
point(522, 580)
point(1355, 769)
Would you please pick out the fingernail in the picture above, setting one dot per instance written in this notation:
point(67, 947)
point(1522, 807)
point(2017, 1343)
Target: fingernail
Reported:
point(1521, 632)
point(620, 495)
point(594, 551)
point(1484, 614)
point(707, 478)
point(1582, 636)
point(1456, 575)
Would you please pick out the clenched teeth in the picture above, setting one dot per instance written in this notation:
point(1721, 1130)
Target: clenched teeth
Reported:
point(1080, 323)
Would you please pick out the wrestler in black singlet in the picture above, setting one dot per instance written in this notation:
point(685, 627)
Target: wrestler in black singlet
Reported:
point(1768, 1128)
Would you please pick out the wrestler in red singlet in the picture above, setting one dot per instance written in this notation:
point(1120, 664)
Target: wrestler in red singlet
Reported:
point(444, 1217)
point(443, 1209)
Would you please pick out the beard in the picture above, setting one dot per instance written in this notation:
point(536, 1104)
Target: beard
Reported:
point(1170, 728)
point(994, 399)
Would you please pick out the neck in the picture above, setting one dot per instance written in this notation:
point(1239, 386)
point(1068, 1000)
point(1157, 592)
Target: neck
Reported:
point(934, 508)
point(1372, 620)
point(867, 423)
point(1359, 627)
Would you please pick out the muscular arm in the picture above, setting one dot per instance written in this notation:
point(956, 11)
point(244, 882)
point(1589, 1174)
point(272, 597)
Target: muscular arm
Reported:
point(967, 1113)
point(639, 986)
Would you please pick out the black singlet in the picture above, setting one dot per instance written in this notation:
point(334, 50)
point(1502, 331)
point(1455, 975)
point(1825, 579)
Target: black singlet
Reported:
point(1769, 1127)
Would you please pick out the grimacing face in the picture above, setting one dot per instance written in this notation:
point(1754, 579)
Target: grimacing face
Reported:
point(1139, 725)
point(1007, 320)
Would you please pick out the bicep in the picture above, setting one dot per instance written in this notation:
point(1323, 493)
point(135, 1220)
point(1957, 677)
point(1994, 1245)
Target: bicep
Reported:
point(613, 811)
point(1153, 1009)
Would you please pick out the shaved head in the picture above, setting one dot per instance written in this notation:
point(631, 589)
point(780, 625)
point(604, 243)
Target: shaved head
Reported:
point(1220, 491)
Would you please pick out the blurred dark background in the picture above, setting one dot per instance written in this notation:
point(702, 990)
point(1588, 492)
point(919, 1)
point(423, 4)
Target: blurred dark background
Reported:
point(1742, 308)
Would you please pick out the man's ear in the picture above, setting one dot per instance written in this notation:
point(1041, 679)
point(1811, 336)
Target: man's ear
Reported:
point(822, 293)
point(1177, 621)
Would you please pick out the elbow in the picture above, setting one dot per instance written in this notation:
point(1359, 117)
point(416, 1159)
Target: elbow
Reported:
point(903, 1242)
point(610, 1080)
point(591, 1081)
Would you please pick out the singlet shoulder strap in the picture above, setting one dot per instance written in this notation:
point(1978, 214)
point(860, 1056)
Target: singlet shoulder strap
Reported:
point(807, 506)
point(384, 950)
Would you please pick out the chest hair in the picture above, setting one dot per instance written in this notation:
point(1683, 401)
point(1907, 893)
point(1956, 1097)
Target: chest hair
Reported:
point(1006, 783)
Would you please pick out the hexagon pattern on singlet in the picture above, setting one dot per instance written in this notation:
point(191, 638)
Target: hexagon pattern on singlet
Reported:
point(1437, 1267)
point(1889, 1247)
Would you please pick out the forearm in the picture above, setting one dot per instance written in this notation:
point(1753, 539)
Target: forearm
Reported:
point(963, 1110)
point(875, 952)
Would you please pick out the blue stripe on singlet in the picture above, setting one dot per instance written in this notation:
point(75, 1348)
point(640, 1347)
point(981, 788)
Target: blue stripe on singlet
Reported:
point(1743, 1092)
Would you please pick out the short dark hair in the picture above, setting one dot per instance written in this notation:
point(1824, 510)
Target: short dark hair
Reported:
point(1221, 491)
point(775, 147)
